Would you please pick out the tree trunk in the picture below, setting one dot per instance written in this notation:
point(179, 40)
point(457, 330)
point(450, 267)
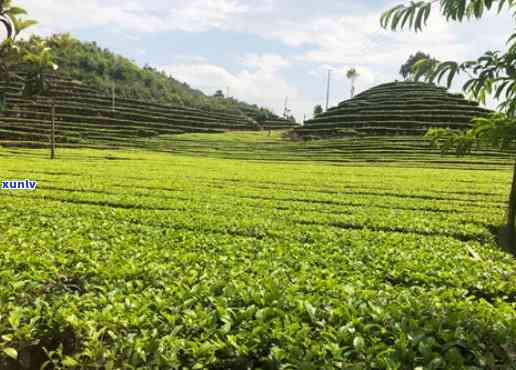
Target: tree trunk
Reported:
point(53, 132)
point(511, 212)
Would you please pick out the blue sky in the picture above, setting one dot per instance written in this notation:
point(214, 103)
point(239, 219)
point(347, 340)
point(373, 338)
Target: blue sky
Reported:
point(266, 50)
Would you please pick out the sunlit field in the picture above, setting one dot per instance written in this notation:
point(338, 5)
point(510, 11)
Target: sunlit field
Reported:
point(268, 257)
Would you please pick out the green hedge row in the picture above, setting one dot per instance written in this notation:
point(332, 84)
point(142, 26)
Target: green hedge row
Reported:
point(109, 120)
point(87, 111)
point(391, 124)
point(428, 118)
point(106, 104)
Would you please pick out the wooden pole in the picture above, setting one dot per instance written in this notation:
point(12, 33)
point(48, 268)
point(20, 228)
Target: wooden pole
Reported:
point(113, 96)
point(53, 132)
point(511, 212)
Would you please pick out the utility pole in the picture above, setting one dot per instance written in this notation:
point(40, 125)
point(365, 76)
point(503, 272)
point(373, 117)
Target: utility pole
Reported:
point(113, 96)
point(227, 92)
point(328, 89)
point(53, 130)
point(285, 109)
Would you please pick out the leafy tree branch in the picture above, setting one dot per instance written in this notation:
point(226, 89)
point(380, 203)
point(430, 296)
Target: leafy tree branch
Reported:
point(492, 74)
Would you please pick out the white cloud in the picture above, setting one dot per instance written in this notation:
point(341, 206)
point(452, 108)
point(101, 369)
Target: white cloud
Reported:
point(264, 86)
point(265, 62)
point(140, 15)
point(71, 15)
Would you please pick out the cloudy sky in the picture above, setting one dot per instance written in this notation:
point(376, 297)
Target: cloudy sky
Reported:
point(266, 50)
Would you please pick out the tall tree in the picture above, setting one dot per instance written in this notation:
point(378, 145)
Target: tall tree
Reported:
point(318, 109)
point(218, 94)
point(492, 74)
point(39, 70)
point(352, 75)
point(35, 58)
point(407, 69)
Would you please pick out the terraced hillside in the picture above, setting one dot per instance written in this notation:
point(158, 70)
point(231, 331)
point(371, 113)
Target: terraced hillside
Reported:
point(397, 108)
point(99, 67)
point(85, 117)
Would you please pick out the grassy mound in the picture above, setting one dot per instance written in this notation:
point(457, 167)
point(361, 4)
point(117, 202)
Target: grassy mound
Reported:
point(99, 67)
point(398, 108)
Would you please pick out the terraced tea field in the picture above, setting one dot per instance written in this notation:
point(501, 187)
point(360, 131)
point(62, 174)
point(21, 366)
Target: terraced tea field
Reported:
point(273, 258)
point(397, 108)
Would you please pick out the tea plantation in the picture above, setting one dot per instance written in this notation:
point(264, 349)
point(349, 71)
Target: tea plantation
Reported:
point(396, 108)
point(86, 118)
point(248, 251)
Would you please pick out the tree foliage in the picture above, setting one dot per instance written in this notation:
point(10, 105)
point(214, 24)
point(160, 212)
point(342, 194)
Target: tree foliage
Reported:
point(497, 130)
point(493, 73)
point(39, 65)
point(352, 75)
point(318, 109)
point(10, 53)
point(407, 69)
point(450, 140)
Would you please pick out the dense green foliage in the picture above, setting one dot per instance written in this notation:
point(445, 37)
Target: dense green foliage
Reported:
point(318, 109)
point(100, 68)
point(140, 260)
point(496, 130)
point(395, 108)
point(493, 74)
point(407, 69)
point(11, 25)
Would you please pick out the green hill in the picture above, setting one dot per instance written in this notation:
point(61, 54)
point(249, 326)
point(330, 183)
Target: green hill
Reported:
point(86, 118)
point(395, 108)
point(99, 68)
point(148, 103)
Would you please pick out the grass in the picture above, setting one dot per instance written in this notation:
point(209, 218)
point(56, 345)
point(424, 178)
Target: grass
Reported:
point(243, 250)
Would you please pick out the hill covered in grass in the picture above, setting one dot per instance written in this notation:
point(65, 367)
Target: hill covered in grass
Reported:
point(86, 118)
point(396, 108)
point(148, 103)
point(100, 68)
